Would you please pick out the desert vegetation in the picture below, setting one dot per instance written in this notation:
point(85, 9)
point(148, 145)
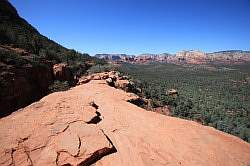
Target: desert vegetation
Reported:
point(214, 95)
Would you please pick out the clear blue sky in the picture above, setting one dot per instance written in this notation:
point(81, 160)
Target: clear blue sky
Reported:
point(141, 26)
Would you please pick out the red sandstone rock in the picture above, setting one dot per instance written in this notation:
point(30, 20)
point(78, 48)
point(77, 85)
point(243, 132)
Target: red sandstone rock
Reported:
point(62, 72)
point(121, 84)
point(57, 131)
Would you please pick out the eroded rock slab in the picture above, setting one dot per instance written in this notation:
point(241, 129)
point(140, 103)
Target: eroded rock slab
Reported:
point(57, 131)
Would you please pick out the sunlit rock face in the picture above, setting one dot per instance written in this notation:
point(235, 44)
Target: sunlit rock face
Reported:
point(94, 123)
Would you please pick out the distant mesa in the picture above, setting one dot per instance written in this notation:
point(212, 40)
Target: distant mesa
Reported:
point(115, 57)
point(183, 57)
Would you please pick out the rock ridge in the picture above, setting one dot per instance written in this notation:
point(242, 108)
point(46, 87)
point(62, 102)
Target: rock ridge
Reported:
point(55, 131)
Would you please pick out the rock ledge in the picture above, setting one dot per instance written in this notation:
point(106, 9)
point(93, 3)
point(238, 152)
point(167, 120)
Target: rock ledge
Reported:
point(94, 124)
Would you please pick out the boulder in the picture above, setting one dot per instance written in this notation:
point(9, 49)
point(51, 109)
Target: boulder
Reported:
point(104, 75)
point(172, 92)
point(121, 84)
point(110, 82)
point(123, 78)
point(84, 80)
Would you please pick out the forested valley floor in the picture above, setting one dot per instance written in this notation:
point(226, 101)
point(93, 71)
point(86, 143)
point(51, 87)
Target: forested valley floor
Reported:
point(214, 95)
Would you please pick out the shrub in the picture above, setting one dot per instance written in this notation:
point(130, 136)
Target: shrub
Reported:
point(58, 86)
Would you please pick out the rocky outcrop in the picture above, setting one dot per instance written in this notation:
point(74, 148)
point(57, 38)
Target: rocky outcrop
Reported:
point(191, 57)
point(112, 78)
point(57, 131)
point(62, 72)
point(172, 92)
point(122, 84)
point(24, 79)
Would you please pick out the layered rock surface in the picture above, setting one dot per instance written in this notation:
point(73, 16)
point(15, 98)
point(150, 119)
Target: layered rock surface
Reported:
point(94, 124)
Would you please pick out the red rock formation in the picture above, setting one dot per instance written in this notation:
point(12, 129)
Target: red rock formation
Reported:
point(59, 130)
point(185, 57)
point(62, 72)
